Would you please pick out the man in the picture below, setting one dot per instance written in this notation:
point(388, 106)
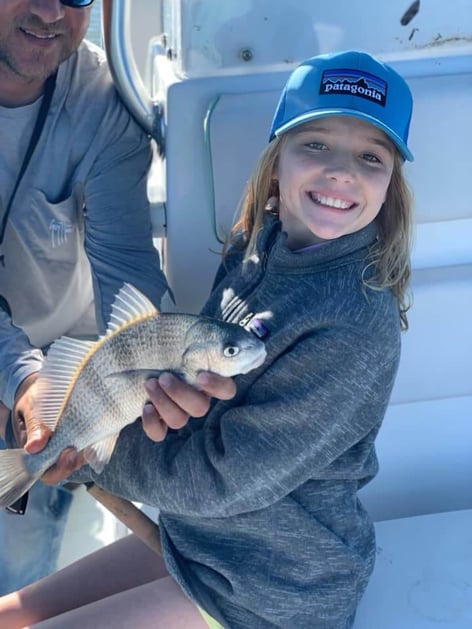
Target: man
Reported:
point(74, 226)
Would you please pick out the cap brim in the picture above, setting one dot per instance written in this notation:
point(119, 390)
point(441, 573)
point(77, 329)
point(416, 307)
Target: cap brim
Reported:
point(324, 113)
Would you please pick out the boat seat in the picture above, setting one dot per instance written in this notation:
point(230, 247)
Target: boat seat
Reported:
point(421, 499)
point(421, 502)
point(423, 574)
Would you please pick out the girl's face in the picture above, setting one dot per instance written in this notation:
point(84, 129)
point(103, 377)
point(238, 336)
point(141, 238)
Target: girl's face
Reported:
point(333, 177)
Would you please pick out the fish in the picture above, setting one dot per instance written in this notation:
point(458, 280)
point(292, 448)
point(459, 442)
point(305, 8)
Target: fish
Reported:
point(88, 391)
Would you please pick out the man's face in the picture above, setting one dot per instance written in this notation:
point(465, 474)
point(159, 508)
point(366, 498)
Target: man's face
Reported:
point(36, 36)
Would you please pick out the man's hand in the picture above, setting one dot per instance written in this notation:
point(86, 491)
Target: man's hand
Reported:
point(33, 436)
point(173, 401)
point(29, 433)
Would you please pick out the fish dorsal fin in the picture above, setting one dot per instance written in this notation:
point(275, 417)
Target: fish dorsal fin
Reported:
point(61, 368)
point(98, 454)
point(130, 305)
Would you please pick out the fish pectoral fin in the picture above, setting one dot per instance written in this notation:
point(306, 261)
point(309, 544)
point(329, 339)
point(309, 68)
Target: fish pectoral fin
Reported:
point(128, 374)
point(98, 454)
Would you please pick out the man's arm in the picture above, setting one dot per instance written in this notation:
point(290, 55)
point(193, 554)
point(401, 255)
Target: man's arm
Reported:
point(118, 230)
point(18, 359)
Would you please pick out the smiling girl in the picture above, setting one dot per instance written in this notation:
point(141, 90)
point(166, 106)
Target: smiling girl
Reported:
point(260, 520)
point(333, 177)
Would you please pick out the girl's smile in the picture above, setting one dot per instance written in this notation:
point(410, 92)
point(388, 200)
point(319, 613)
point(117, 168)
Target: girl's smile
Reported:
point(333, 176)
point(331, 202)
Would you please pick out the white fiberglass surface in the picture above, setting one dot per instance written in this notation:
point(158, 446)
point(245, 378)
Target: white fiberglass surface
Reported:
point(214, 36)
point(423, 574)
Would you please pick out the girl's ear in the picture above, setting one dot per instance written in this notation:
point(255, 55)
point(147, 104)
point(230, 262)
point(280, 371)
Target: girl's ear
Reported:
point(273, 205)
point(274, 187)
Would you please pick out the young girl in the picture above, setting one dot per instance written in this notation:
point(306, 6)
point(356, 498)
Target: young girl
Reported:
point(260, 521)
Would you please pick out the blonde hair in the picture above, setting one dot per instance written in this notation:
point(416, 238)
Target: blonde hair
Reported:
point(390, 256)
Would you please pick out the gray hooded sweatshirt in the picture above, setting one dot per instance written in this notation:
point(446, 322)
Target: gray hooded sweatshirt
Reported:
point(260, 520)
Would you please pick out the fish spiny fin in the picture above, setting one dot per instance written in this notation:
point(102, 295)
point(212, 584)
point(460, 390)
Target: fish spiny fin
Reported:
point(60, 370)
point(129, 305)
point(98, 454)
point(14, 478)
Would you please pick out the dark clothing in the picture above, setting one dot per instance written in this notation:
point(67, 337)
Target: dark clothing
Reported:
point(260, 520)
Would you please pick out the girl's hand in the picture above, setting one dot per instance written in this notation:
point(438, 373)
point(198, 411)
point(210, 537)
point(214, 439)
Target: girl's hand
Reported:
point(173, 401)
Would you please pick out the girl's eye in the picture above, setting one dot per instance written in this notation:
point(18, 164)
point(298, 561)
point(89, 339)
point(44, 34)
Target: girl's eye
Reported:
point(369, 157)
point(316, 146)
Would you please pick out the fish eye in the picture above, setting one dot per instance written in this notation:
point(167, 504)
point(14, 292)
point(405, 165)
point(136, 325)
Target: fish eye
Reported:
point(230, 351)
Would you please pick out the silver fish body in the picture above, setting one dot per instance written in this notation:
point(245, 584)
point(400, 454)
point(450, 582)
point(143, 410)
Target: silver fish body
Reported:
point(89, 391)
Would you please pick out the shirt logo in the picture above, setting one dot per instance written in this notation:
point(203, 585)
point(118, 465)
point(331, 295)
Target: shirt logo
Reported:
point(354, 83)
point(235, 310)
point(59, 231)
point(252, 324)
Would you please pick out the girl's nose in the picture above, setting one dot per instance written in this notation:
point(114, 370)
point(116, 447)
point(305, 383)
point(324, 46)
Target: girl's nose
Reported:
point(49, 11)
point(341, 168)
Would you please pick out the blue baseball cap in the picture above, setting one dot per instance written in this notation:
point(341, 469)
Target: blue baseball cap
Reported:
point(349, 83)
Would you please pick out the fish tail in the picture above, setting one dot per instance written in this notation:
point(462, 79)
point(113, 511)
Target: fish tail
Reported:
point(15, 480)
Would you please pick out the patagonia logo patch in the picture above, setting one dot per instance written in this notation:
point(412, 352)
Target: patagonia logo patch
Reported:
point(354, 83)
point(253, 322)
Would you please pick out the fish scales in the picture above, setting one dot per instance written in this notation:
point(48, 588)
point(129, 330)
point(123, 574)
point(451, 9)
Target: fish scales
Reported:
point(88, 392)
point(152, 345)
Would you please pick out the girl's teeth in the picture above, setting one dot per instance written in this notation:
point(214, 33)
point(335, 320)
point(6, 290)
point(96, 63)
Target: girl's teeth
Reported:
point(332, 202)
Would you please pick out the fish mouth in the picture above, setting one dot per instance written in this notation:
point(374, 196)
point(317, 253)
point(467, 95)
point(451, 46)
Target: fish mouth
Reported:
point(256, 362)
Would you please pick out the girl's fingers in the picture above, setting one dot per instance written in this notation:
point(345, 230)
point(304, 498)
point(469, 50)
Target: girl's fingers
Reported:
point(176, 400)
point(172, 401)
point(216, 386)
point(154, 427)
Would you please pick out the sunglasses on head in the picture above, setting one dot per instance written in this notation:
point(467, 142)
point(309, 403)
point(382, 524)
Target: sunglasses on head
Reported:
point(77, 4)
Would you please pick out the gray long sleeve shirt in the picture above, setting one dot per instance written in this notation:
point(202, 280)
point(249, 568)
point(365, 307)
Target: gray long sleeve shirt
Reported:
point(80, 224)
point(259, 515)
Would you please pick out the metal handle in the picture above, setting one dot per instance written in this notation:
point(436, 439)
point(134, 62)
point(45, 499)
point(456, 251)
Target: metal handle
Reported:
point(116, 33)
